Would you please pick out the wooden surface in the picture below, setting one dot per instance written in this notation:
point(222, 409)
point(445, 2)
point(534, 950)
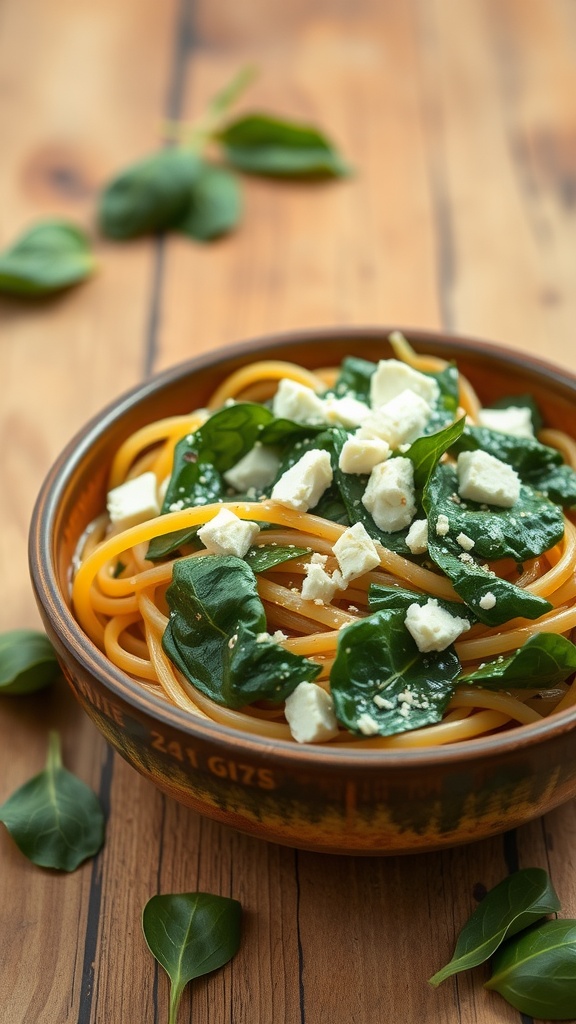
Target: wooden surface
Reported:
point(460, 118)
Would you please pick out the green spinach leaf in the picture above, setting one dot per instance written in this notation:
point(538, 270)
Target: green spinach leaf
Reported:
point(381, 597)
point(28, 662)
point(260, 144)
point(512, 905)
point(425, 452)
point(268, 555)
point(152, 195)
point(191, 934)
point(216, 634)
point(55, 819)
point(545, 660)
point(49, 257)
point(215, 205)
point(536, 972)
point(382, 684)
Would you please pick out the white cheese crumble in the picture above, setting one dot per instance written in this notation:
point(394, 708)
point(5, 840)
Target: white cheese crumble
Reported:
point(488, 601)
point(302, 486)
point(389, 495)
point(355, 552)
point(348, 411)
point(294, 401)
point(227, 534)
point(318, 585)
point(432, 627)
point(258, 468)
point(360, 455)
point(392, 377)
point(368, 726)
point(483, 478)
point(417, 537)
point(442, 525)
point(310, 714)
point(515, 420)
point(133, 502)
point(465, 541)
point(399, 421)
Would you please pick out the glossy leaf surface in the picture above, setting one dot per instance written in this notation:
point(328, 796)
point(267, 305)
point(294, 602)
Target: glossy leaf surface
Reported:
point(28, 662)
point(191, 934)
point(55, 819)
point(536, 972)
point(260, 144)
point(47, 258)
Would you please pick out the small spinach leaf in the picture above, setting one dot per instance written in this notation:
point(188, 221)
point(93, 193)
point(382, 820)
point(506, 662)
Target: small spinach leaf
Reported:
point(545, 660)
point(425, 452)
point(191, 934)
point(217, 637)
point(47, 258)
point(513, 904)
point(354, 378)
point(152, 195)
point(268, 555)
point(536, 972)
point(55, 819)
point(28, 662)
point(381, 683)
point(260, 144)
point(215, 205)
point(168, 543)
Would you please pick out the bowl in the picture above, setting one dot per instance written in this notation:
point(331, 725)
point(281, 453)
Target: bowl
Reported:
point(342, 801)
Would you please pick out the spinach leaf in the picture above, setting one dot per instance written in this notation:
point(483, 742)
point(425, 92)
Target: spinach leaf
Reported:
point(426, 452)
point(169, 543)
point(530, 527)
point(473, 583)
point(545, 660)
point(537, 465)
point(215, 205)
point(381, 683)
point(260, 144)
point(47, 258)
point(354, 378)
point(191, 934)
point(267, 556)
point(381, 597)
point(513, 904)
point(55, 819)
point(28, 662)
point(152, 195)
point(216, 634)
point(536, 972)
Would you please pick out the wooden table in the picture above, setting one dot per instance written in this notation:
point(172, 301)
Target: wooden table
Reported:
point(460, 118)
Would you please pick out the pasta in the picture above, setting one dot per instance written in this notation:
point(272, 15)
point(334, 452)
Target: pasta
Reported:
point(122, 598)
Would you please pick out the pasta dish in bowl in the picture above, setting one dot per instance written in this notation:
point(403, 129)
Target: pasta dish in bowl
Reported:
point(321, 586)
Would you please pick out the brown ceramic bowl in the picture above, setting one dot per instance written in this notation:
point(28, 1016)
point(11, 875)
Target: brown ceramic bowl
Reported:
point(339, 801)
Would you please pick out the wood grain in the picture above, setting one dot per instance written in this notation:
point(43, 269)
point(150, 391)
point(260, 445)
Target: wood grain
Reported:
point(459, 120)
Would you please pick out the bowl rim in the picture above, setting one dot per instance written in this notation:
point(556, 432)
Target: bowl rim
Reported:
point(277, 751)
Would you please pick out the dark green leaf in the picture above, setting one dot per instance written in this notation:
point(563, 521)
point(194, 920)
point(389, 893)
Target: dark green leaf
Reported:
point(191, 934)
point(545, 660)
point(426, 452)
point(27, 662)
point(217, 637)
point(381, 597)
point(168, 543)
point(215, 205)
point(150, 196)
point(50, 256)
point(260, 144)
point(55, 819)
point(513, 904)
point(354, 378)
point(537, 465)
point(377, 658)
point(536, 972)
point(267, 556)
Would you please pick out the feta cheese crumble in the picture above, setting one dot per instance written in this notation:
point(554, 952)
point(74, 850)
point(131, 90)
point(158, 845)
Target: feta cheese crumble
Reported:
point(257, 469)
point(294, 401)
point(484, 478)
point(389, 496)
point(392, 377)
point(227, 534)
point(355, 552)
point(318, 585)
point(360, 455)
point(302, 486)
point(310, 714)
point(133, 502)
point(399, 421)
point(417, 537)
point(515, 420)
point(487, 601)
point(432, 627)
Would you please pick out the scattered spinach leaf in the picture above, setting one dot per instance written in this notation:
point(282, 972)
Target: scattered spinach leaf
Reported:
point(55, 819)
point(152, 195)
point(190, 934)
point(380, 673)
point(28, 662)
point(49, 257)
point(381, 597)
point(545, 660)
point(261, 144)
point(215, 205)
point(536, 972)
point(266, 557)
point(425, 452)
point(217, 636)
point(512, 905)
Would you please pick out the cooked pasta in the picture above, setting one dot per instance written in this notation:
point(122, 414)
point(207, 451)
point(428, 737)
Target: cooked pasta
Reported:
point(122, 598)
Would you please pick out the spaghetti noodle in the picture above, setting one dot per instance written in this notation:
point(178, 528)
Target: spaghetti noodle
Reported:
point(122, 598)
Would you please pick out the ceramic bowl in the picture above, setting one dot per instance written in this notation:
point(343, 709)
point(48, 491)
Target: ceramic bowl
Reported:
point(332, 800)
